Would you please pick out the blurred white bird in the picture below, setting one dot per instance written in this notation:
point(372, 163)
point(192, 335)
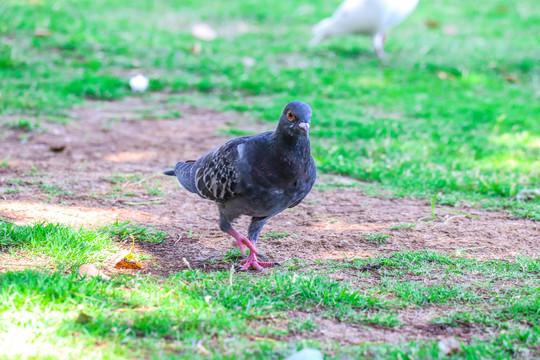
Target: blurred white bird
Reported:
point(368, 17)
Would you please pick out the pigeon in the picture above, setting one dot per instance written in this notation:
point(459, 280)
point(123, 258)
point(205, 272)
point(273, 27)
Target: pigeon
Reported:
point(368, 17)
point(258, 176)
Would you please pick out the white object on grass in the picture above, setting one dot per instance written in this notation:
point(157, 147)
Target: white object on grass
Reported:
point(203, 31)
point(139, 83)
point(306, 354)
point(527, 194)
point(368, 17)
point(248, 61)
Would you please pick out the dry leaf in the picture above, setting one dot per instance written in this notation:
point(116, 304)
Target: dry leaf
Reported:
point(511, 78)
point(336, 277)
point(126, 264)
point(527, 194)
point(432, 24)
point(42, 32)
point(196, 48)
point(370, 267)
point(443, 75)
point(204, 32)
point(449, 345)
point(203, 350)
point(129, 261)
point(83, 318)
point(57, 148)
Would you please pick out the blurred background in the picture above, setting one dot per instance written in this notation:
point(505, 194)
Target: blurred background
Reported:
point(454, 108)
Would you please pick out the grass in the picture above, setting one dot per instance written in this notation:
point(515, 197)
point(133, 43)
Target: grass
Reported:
point(154, 189)
point(61, 244)
point(492, 304)
point(377, 238)
point(452, 118)
point(435, 117)
point(53, 190)
point(123, 230)
point(274, 235)
point(400, 226)
point(12, 191)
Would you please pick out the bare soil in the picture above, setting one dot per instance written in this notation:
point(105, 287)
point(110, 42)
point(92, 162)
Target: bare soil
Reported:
point(65, 174)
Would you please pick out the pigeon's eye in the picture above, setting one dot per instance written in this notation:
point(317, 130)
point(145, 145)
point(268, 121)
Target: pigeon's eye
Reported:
point(290, 115)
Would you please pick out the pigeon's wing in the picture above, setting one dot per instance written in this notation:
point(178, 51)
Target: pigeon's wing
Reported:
point(216, 174)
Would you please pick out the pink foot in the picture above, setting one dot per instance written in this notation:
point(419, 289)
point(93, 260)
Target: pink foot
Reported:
point(241, 241)
point(252, 262)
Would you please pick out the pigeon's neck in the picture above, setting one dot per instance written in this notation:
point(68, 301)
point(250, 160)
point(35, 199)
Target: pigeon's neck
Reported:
point(290, 143)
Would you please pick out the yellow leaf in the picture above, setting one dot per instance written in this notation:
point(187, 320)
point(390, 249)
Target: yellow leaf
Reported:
point(129, 261)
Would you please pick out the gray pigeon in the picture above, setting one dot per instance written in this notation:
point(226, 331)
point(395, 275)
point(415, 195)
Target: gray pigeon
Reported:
point(258, 176)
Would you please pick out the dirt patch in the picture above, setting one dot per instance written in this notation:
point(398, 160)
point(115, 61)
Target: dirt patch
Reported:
point(417, 324)
point(19, 261)
point(76, 174)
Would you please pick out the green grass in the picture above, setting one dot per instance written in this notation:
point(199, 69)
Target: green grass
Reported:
point(12, 191)
point(274, 235)
point(53, 190)
point(154, 189)
point(58, 243)
point(269, 315)
point(400, 226)
point(123, 230)
point(455, 114)
point(377, 238)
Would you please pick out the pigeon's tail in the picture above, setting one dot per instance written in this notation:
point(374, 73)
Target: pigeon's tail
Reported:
point(321, 31)
point(185, 173)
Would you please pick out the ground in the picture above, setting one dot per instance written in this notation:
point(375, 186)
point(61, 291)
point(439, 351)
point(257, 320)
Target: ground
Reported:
point(417, 241)
point(106, 166)
point(113, 159)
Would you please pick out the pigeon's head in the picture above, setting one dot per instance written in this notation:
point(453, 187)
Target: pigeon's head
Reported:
point(296, 118)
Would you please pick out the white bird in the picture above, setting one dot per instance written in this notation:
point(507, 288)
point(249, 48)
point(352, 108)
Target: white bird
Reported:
point(368, 17)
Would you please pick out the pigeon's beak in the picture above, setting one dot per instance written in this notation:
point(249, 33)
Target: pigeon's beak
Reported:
point(304, 126)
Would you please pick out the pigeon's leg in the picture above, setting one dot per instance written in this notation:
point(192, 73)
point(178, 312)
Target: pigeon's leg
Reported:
point(378, 42)
point(241, 241)
point(252, 262)
point(255, 228)
point(251, 259)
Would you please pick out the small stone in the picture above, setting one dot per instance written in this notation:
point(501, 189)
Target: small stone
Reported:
point(91, 270)
point(83, 318)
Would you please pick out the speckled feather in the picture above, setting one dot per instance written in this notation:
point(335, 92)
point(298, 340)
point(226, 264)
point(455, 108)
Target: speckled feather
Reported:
point(216, 174)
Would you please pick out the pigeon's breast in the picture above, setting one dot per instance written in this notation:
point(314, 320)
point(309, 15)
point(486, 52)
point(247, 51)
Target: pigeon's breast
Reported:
point(258, 201)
